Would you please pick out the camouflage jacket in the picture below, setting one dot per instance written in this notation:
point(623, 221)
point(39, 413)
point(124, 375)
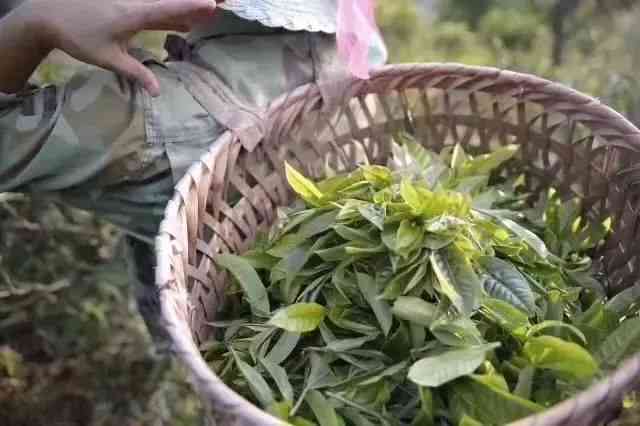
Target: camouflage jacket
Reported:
point(101, 143)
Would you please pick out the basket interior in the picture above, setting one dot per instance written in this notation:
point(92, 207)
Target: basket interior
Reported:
point(243, 188)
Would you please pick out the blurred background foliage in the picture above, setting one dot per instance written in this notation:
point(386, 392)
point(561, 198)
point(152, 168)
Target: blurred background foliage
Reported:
point(73, 350)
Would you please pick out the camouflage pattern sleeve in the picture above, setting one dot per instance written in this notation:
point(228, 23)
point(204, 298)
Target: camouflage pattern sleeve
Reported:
point(58, 137)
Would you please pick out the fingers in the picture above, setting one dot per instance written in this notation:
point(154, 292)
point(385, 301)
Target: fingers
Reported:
point(127, 66)
point(169, 15)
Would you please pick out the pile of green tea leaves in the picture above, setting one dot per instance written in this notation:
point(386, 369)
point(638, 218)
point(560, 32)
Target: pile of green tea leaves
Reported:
point(433, 292)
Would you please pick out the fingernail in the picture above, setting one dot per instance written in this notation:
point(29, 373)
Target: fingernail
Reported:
point(153, 90)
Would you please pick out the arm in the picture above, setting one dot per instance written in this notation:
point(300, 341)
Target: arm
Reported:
point(61, 136)
point(97, 33)
point(21, 48)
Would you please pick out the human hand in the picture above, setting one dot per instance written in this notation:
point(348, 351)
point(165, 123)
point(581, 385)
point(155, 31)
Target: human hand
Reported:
point(99, 32)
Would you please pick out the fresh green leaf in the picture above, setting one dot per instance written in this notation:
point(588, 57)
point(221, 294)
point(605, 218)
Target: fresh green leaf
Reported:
point(415, 310)
point(284, 245)
point(408, 237)
point(260, 259)
point(487, 163)
point(380, 308)
point(279, 375)
point(344, 345)
point(488, 404)
point(317, 225)
point(459, 332)
point(248, 279)
point(445, 224)
point(525, 383)
point(299, 318)
point(531, 239)
point(539, 328)
point(283, 347)
point(345, 318)
point(506, 316)
point(377, 176)
point(435, 371)
point(353, 234)
point(469, 421)
point(624, 301)
point(622, 343)
point(325, 412)
point(566, 358)
point(505, 282)
point(319, 376)
point(411, 196)
point(280, 410)
point(418, 153)
point(306, 189)
point(387, 372)
point(373, 214)
point(457, 279)
point(256, 382)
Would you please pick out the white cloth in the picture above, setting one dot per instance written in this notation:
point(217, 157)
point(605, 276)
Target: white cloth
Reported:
point(294, 15)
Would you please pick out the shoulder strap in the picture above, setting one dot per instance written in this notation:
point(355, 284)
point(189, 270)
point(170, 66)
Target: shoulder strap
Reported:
point(331, 73)
point(220, 102)
point(244, 120)
point(214, 95)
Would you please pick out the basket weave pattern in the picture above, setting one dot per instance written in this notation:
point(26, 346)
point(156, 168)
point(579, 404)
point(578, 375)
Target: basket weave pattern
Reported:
point(568, 140)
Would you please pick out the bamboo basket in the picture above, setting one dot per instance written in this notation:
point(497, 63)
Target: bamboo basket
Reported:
point(568, 140)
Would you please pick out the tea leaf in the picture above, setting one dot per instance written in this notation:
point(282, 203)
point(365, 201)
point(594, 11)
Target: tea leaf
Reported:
point(344, 345)
point(281, 378)
point(437, 370)
point(409, 235)
point(317, 225)
point(415, 310)
point(299, 318)
point(469, 421)
point(380, 308)
point(341, 317)
point(418, 153)
point(461, 332)
point(538, 328)
point(325, 413)
point(283, 347)
point(623, 342)
point(306, 189)
point(457, 279)
point(248, 279)
point(377, 176)
point(255, 381)
point(387, 372)
point(373, 214)
point(486, 163)
point(621, 303)
point(488, 404)
point(566, 358)
point(280, 410)
point(506, 315)
point(353, 234)
point(411, 196)
point(531, 239)
point(506, 283)
point(319, 376)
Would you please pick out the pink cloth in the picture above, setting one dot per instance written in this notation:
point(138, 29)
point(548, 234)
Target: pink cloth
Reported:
point(357, 32)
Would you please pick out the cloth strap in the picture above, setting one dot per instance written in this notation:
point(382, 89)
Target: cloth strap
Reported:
point(213, 94)
point(246, 121)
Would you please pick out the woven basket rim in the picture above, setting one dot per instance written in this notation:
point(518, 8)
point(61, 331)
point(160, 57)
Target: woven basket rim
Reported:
point(601, 119)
